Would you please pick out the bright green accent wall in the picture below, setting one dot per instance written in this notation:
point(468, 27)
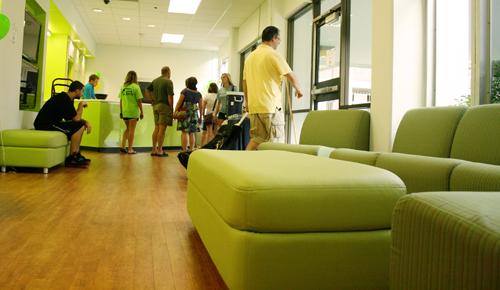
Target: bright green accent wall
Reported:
point(57, 51)
point(108, 128)
point(57, 48)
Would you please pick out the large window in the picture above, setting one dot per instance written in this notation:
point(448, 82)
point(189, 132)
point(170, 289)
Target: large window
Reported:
point(452, 52)
point(360, 62)
point(300, 59)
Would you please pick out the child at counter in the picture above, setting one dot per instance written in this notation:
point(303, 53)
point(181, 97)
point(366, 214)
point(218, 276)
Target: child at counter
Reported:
point(130, 110)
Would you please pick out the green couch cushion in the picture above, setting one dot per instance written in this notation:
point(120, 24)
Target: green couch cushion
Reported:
point(419, 173)
point(337, 129)
point(471, 176)
point(275, 191)
point(428, 131)
point(316, 150)
point(446, 240)
point(477, 137)
point(33, 138)
point(359, 156)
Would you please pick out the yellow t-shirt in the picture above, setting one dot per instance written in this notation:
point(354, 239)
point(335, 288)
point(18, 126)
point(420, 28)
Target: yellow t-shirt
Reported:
point(263, 73)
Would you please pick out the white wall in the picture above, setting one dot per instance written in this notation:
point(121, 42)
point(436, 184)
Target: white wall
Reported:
point(113, 62)
point(10, 67)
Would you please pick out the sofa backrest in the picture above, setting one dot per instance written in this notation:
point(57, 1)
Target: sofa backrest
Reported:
point(337, 129)
point(477, 137)
point(428, 131)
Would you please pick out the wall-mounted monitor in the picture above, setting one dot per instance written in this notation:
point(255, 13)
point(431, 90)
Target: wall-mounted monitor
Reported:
point(31, 38)
point(145, 92)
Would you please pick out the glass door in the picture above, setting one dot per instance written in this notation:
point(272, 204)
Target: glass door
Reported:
point(328, 48)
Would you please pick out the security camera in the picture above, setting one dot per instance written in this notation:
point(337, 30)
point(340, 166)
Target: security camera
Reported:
point(107, 1)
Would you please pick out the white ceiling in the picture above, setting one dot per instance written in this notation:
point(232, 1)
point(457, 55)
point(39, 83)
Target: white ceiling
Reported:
point(207, 29)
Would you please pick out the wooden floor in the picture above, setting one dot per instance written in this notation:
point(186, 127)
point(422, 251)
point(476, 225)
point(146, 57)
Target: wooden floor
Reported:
point(120, 224)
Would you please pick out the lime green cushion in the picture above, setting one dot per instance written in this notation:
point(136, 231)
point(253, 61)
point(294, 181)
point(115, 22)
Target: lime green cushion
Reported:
point(33, 138)
point(316, 150)
point(32, 157)
point(446, 240)
point(428, 131)
point(478, 135)
point(319, 261)
point(274, 191)
point(359, 156)
point(471, 176)
point(337, 129)
point(419, 173)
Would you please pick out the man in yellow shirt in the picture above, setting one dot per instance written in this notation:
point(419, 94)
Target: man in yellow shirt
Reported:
point(262, 76)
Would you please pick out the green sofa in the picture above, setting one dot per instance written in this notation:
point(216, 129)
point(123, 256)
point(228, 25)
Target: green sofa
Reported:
point(323, 131)
point(32, 148)
point(446, 234)
point(266, 226)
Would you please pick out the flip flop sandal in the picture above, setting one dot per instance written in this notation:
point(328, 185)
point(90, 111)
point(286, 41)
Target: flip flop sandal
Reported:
point(132, 152)
point(123, 150)
point(164, 154)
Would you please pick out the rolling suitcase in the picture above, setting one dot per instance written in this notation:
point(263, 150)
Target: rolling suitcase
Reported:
point(231, 136)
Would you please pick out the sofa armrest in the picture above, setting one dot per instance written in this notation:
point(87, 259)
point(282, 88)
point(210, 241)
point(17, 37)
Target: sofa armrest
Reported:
point(359, 156)
point(419, 173)
point(315, 150)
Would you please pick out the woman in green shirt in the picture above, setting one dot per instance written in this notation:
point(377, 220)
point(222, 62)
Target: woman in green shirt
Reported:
point(130, 109)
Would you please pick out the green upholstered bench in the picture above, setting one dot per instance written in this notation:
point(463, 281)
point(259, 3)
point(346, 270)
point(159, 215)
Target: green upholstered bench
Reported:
point(32, 148)
point(282, 220)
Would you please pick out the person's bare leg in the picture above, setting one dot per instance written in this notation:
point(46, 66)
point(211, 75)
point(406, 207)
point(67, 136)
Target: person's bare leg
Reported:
point(131, 134)
point(154, 137)
point(252, 145)
point(184, 141)
point(76, 138)
point(125, 134)
point(192, 141)
point(161, 138)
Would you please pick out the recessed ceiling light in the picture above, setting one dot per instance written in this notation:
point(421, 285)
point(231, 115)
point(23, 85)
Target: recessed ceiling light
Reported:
point(183, 6)
point(126, 18)
point(97, 10)
point(151, 25)
point(172, 38)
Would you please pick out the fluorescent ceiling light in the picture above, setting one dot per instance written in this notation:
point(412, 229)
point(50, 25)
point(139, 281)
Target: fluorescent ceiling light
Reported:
point(97, 10)
point(183, 6)
point(126, 18)
point(172, 38)
point(151, 25)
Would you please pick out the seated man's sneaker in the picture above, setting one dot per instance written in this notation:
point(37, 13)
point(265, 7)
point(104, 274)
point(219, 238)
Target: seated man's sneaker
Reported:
point(79, 155)
point(75, 161)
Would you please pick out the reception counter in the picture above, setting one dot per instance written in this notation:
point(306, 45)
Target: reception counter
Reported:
point(108, 128)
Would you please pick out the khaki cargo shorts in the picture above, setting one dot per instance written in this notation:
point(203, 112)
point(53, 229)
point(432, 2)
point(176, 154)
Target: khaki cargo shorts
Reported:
point(163, 114)
point(267, 127)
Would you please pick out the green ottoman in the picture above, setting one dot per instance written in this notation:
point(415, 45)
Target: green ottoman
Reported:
point(31, 148)
point(446, 240)
point(282, 220)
